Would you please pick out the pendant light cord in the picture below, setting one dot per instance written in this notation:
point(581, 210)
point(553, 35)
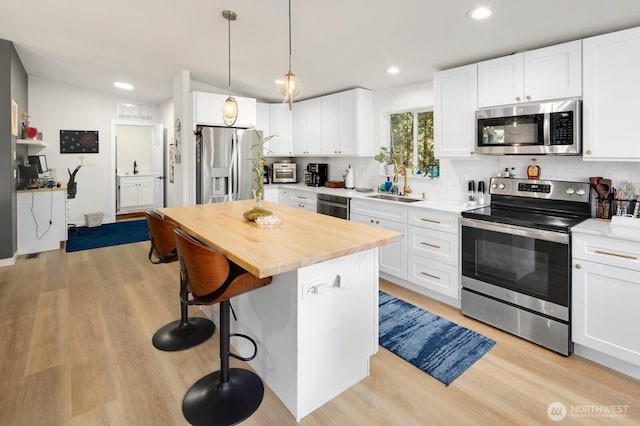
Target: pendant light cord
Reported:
point(289, 36)
point(229, 80)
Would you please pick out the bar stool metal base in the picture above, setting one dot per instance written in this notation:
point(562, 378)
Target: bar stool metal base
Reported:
point(176, 336)
point(210, 402)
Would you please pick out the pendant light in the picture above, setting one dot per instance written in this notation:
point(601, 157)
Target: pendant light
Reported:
point(291, 84)
point(230, 106)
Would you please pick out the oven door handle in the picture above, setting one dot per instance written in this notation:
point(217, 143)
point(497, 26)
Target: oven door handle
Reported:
point(538, 234)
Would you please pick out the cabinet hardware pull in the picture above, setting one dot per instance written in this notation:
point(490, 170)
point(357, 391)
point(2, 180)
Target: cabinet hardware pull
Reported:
point(588, 152)
point(430, 275)
point(429, 220)
point(578, 266)
point(624, 256)
point(430, 245)
point(518, 98)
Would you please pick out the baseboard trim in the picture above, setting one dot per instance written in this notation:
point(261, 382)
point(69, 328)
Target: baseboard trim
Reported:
point(9, 261)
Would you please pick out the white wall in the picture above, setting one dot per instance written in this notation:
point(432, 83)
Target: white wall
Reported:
point(133, 145)
point(55, 106)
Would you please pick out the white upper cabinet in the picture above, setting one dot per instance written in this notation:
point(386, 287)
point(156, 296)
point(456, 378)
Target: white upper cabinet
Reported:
point(262, 118)
point(548, 73)
point(455, 103)
point(611, 93)
point(281, 128)
point(347, 123)
point(207, 110)
point(307, 127)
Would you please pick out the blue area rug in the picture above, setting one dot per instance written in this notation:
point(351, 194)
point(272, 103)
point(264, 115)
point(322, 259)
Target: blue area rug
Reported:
point(111, 234)
point(438, 347)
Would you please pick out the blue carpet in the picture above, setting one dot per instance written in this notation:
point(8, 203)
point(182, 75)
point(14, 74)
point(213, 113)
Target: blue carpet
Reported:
point(438, 347)
point(111, 234)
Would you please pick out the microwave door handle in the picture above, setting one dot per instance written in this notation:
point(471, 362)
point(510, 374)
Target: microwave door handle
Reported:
point(546, 129)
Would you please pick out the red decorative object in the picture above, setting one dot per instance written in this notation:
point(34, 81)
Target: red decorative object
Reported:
point(533, 172)
point(31, 132)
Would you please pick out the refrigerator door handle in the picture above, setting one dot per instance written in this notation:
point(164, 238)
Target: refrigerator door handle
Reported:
point(238, 164)
point(232, 168)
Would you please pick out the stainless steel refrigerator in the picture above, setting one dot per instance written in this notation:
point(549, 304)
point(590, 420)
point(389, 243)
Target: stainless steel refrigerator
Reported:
point(223, 169)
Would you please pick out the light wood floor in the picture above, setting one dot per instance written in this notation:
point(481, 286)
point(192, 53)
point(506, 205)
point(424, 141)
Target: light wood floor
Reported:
point(75, 350)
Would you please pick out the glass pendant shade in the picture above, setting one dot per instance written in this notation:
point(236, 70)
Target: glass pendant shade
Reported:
point(290, 88)
point(229, 111)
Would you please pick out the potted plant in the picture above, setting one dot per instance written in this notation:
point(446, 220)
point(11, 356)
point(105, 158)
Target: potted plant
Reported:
point(386, 159)
point(257, 162)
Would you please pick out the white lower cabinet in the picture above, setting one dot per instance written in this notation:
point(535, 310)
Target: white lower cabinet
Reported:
point(392, 257)
point(270, 193)
point(606, 295)
point(434, 251)
point(135, 193)
point(300, 199)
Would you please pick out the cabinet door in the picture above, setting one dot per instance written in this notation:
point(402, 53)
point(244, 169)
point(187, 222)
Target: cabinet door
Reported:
point(128, 194)
point(340, 123)
point(455, 104)
point(280, 126)
point(145, 192)
point(392, 257)
point(501, 81)
point(553, 72)
point(605, 309)
point(262, 118)
point(611, 66)
point(307, 127)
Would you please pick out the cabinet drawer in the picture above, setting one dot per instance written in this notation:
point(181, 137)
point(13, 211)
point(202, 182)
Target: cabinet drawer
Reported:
point(623, 254)
point(432, 219)
point(379, 209)
point(433, 275)
point(302, 197)
point(434, 245)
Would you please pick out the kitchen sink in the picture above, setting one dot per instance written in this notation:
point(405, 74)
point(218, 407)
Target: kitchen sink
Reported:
point(390, 197)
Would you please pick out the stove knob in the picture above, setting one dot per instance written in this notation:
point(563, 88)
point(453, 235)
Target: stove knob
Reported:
point(501, 186)
point(570, 191)
point(580, 192)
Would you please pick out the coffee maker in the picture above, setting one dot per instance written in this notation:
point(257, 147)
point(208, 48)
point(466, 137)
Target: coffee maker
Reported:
point(316, 174)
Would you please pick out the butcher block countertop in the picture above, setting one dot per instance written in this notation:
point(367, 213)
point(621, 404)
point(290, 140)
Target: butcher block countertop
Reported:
point(304, 238)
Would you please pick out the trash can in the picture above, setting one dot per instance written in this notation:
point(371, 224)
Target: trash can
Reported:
point(93, 219)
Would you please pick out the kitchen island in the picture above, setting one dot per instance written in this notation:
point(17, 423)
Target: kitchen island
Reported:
point(316, 325)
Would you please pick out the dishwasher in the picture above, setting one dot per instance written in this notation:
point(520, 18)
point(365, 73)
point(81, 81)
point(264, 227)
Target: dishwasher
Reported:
point(333, 205)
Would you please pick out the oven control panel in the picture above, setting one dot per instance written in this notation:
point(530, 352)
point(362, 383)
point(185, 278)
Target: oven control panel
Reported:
point(547, 189)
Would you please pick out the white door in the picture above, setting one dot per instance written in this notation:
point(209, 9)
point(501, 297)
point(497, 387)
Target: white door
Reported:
point(157, 165)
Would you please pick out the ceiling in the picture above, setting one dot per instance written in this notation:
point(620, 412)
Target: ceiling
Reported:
point(337, 44)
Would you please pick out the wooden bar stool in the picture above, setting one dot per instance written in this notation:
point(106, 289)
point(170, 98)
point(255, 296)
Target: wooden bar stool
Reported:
point(186, 332)
point(229, 395)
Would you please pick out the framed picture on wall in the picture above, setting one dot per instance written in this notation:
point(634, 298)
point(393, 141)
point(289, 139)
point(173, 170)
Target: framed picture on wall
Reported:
point(79, 142)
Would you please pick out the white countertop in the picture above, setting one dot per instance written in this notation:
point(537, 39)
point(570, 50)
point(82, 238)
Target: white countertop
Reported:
point(429, 203)
point(609, 229)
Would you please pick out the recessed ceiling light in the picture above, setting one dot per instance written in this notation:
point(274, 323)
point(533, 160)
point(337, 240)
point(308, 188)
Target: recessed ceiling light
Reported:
point(393, 70)
point(480, 13)
point(123, 86)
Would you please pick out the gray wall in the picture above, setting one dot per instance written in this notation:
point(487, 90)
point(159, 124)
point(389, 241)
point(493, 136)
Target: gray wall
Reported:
point(13, 85)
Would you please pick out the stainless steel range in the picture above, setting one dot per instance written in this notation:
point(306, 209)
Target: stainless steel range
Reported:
point(516, 258)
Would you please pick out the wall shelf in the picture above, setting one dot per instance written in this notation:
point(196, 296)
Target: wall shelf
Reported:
point(31, 142)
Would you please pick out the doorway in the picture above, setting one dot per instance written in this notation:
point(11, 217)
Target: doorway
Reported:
point(138, 173)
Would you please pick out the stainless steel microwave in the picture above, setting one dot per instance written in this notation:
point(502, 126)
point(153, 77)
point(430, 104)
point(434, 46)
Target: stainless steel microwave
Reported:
point(284, 173)
point(541, 128)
